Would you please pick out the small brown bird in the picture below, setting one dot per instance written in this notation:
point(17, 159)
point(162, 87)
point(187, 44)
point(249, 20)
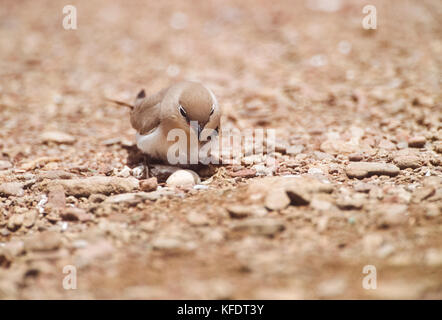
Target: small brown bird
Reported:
point(188, 106)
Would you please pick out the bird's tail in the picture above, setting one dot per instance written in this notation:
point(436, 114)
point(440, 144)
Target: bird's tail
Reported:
point(140, 96)
point(120, 103)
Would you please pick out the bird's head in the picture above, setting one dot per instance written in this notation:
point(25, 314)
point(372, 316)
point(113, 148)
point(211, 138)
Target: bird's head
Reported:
point(196, 108)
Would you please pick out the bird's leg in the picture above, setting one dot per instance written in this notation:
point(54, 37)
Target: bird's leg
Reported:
point(146, 166)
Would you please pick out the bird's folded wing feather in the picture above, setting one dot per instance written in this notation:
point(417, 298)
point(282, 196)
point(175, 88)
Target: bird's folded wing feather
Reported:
point(145, 116)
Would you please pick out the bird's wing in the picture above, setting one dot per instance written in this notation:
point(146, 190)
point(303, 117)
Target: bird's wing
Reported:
point(145, 115)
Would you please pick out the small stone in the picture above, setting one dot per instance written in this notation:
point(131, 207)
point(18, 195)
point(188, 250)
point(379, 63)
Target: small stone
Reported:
point(5, 261)
point(355, 157)
point(148, 185)
point(98, 184)
point(407, 161)
point(5, 165)
point(298, 195)
point(244, 173)
point(11, 189)
point(15, 222)
point(54, 174)
point(125, 172)
point(44, 241)
point(433, 210)
point(57, 137)
point(260, 226)
point(56, 198)
point(423, 193)
point(365, 169)
point(139, 172)
point(129, 198)
point(277, 199)
point(433, 257)
point(350, 204)
point(295, 149)
point(417, 142)
point(29, 218)
point(197, 219)
point(438, 146)
point(392, 215)
point(243, 211)
point(72, 214)
point(182, 178)
point(169, 244)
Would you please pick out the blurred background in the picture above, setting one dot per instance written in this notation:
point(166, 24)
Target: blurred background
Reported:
point(306, 68)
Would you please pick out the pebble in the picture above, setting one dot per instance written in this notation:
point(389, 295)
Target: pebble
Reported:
point(260, 226)
point(29, 218)
point(98, 184)
point(54, 174)
point(183, 178)
point(295, 149)
point(139, 172)
point(11, 189)
point(365, 169)
point(438, 146)
point(73, 214)
point(169, 244)
point(407, 161)
point(5, 165)
point(392, 215)
point(129, 198)
point(350, 203)
point(355, 157)
point(44, 241)
point(148, 185)
point(57, 137)
point(56, 198)
point(197, 219)
point(244, 173)
point(417, 142)
point(15, 222)
point(277, 199)
point(125, 172)
point(243, 211)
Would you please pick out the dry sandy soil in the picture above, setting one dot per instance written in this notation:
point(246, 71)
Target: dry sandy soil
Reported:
point(339, 97)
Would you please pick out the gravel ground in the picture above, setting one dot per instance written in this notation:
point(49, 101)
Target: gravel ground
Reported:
point(358, 177)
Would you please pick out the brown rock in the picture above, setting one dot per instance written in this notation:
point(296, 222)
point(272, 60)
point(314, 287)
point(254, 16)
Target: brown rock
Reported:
point(243, 211)
point(260, 226)
point(392, 215)
point(57, 137)
point(364, 169)
point(407, 161)
point(72, 214)
point(277, 199)
point(150, 184)
point(56, 198)
point(244, 173)
point(29, 218)
point(98, 184)
point(417, 142)
point(44, 241)
point(11, 189)
point(5, 165)
point(15, 222)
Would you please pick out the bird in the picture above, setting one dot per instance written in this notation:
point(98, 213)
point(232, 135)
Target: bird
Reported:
point(188, 106)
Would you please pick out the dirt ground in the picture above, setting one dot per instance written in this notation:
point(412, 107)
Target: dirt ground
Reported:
point(339, 97)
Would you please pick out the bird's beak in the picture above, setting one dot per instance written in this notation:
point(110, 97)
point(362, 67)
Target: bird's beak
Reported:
point(198, 129)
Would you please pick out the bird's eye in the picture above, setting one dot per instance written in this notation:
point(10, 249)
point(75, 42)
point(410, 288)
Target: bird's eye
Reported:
point(182, 111)
point(211, 111)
